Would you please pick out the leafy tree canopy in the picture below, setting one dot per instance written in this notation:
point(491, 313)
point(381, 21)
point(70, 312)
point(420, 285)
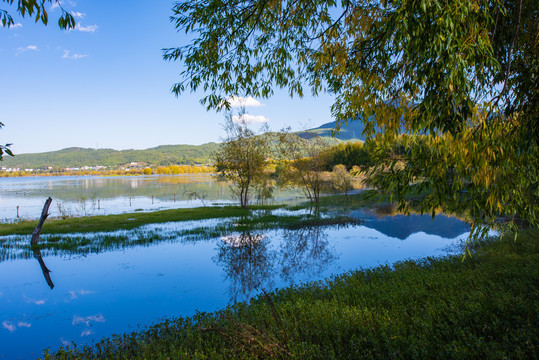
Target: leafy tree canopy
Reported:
point(36, 9)
point(460, 75)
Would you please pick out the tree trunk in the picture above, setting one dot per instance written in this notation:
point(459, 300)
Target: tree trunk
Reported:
point(44, 215)
point(44, 268)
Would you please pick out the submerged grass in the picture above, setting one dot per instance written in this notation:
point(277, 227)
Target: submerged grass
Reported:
point(484, 307)
point(261, 219)
point(126, 221)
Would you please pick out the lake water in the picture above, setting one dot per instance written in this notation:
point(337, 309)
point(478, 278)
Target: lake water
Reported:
point(91, 195)
point(115, 291)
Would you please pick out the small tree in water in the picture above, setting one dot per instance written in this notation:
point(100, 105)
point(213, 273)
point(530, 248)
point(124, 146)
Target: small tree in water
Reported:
point(303, 163)
point(241, 158)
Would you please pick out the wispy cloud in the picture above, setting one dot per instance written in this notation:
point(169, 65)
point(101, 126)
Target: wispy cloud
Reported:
point(86, 332)
point(78, 14)
point(16, 26)
point(56, 4)
point(249, 119)
point(65, 342)
point(34, 301)
point(68, 55)
point(74, 294)
point(240, 101)
point(8, 325)
point(20, 50)
point(88, 28)
point(11, 327)
point(88, 319)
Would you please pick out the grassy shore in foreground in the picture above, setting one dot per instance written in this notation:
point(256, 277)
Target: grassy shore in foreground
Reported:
point(485, 307)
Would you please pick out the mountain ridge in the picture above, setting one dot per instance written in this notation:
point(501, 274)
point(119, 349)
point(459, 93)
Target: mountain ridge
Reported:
point(161, 155)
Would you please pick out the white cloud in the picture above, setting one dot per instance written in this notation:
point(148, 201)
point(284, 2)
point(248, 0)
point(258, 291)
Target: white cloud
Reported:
point(78, 14)
point(250, 119)
point(74, 294)
point(240, 101)
point(24, 324)
point(56, 4)
point(86, 332)
point(65, 342)
point(20, 50)
point(34, 301)
point(67, 55)
point(89, 28)
point(9, 326)
point(15, 26)
point(88, 319)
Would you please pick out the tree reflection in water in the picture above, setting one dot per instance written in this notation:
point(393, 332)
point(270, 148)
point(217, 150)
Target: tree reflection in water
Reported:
point(248, 263)
point(44, 268)
point(305, 253)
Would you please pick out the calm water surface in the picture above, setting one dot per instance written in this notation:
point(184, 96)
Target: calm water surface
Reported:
point(97, 295)
point(92, 195)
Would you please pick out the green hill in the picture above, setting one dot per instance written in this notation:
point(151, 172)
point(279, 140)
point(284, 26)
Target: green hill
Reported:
point(78, 157)
point(163, 155)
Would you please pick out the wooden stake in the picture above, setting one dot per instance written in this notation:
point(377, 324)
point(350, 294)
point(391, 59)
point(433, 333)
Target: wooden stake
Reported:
point(44, 268)
point(44, 215)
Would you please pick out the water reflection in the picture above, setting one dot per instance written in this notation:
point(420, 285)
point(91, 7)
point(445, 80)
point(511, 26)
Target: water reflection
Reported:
point(44, 268)
point(250, 264)
point(247, 263)
point(305, 252)
point(109, 282)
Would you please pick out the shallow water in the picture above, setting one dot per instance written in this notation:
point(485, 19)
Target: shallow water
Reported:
point(94, 195)
point(98, 294)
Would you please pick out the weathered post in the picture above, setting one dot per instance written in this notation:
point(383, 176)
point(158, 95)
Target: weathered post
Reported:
point(44, 268)
point(35, 240)
point(44, 215)
point(17, 211)
point(98, 204)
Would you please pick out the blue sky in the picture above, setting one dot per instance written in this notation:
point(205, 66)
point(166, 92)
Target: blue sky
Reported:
point(105, 84)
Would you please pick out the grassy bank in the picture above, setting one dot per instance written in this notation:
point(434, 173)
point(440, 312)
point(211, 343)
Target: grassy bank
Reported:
point(129, 221)
point(483, 308)
point(126, 221)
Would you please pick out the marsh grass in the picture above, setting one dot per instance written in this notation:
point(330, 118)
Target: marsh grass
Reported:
point(125, 221)
point(484, 307)
point(18, 246)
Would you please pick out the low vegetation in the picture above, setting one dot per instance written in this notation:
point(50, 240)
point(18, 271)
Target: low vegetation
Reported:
point(483, 307)
point(128, 221)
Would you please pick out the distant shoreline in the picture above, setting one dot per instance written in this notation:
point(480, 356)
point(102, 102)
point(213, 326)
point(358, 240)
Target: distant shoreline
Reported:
point(169, 170)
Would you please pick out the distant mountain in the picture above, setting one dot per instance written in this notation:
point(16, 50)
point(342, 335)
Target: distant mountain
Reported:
point(79, 157)
point(164, 155)
point(352, 130)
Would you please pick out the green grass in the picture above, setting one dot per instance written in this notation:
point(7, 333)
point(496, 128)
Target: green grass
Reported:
point(126, 221)
point(485, 307)
point(84, 242)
